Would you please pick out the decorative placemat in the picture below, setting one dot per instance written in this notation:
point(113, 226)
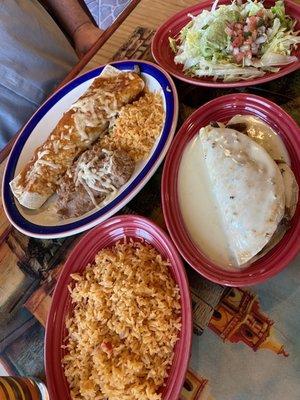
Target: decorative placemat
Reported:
point(137, 46)
point(238, 351)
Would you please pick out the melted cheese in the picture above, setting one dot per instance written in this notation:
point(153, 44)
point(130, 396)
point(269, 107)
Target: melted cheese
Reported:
point(231, 195)
point(264, 135)
point(37, 167)
point(198, 207)
point(96, 179)
point(87, 111)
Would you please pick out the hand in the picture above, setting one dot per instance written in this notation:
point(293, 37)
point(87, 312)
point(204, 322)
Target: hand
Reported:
point(85, 37)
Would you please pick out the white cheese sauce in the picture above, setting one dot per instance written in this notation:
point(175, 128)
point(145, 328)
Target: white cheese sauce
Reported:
point(264, 135)
point(198, 207)
point(199, 201)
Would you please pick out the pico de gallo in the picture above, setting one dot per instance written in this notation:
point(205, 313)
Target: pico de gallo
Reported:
point(237, 41)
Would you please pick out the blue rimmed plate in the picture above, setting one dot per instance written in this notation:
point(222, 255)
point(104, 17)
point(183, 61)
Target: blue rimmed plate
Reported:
point(44, 223)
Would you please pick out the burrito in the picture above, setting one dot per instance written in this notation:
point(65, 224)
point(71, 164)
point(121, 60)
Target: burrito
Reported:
point(87, 120)
point(237, 192)
point(266, 137)
point(93, 180)
point(248, 189)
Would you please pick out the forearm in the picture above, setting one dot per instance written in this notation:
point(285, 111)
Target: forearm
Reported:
point(70, 13)
point(75, 22)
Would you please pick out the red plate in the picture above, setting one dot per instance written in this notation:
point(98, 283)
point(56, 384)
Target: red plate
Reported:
point(164, 56)
point(106, 234)
point(222, 109)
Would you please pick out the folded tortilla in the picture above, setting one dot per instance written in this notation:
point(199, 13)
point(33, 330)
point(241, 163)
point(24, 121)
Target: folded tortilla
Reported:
point(248, 189)
point(265, 136)
point(87, 120)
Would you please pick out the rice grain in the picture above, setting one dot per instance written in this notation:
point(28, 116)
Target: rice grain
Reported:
point(124, 326)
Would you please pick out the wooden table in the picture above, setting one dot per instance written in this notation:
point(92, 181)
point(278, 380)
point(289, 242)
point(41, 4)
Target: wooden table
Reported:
point(239, 351)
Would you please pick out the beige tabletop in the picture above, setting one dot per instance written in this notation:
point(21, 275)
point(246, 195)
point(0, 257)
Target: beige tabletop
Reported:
point(149, 14)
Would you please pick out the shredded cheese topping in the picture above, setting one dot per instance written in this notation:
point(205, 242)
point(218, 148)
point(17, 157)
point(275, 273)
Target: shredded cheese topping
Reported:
point(75, 132)
point(87, 111)
point(85, 174)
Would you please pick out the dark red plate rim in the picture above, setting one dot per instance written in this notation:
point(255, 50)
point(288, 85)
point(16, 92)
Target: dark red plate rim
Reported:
point(104, 235)
point(222, 109)
point(164, 56)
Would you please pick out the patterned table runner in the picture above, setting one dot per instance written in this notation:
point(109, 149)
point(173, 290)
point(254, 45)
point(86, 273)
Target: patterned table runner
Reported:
point(238, 352)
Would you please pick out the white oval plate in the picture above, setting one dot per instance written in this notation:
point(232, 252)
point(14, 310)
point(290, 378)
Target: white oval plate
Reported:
point(44, 223)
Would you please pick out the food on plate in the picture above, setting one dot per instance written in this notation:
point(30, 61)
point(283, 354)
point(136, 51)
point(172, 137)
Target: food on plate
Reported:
point(124, 326)
point(261, 133)
point(237, 192)
point(96, 176)
point(92, 180)
point(137, 126)
point(264, 135)
point(87, 120)
point(236, 41)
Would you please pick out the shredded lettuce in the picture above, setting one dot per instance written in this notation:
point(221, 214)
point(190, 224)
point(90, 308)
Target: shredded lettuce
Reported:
point(252, 8)
point(279, 11)
point(281, 43)
point(204, 48)
point(273, 59)
point(173, 44)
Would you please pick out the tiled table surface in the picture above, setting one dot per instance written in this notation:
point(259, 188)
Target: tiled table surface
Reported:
point(106, 11)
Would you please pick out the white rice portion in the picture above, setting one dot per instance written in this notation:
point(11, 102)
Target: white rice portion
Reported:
point(124, 326)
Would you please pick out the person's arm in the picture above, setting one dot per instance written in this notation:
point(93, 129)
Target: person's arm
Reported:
point(76, 22)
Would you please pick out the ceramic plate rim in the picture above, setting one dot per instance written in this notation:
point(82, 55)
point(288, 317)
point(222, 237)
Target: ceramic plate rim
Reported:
point(107, 226)
point(84, 223)
point(174, 221)
point(177, 73)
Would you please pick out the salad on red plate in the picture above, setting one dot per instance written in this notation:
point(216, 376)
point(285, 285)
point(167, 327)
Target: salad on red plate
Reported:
point(236, 41)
